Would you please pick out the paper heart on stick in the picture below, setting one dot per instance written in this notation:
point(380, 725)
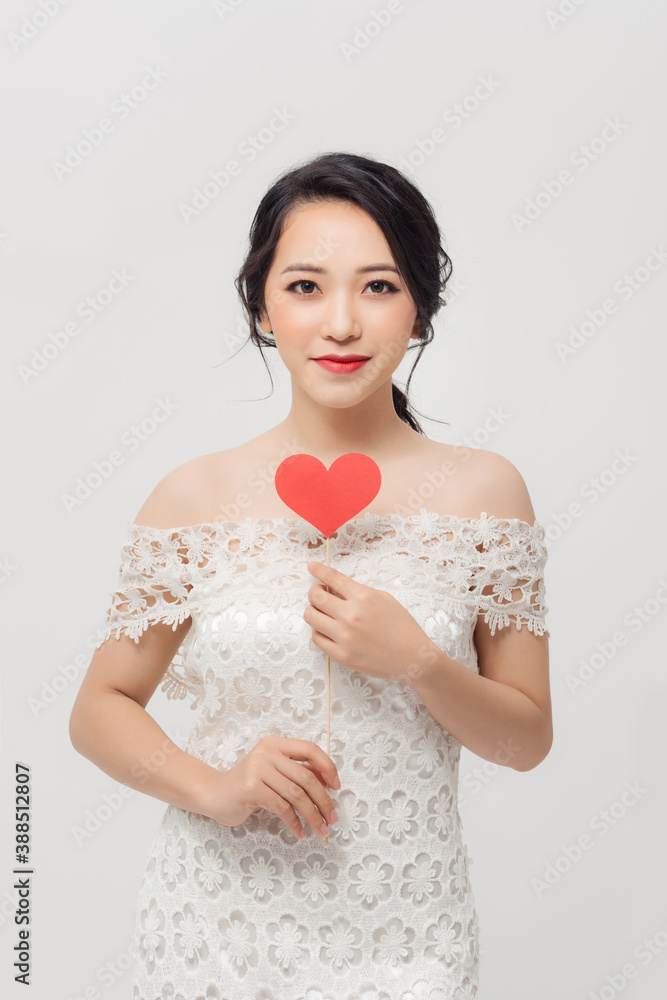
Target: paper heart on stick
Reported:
point(327, 498)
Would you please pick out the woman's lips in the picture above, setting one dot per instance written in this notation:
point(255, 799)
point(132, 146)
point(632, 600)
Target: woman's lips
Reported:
point(340, 367)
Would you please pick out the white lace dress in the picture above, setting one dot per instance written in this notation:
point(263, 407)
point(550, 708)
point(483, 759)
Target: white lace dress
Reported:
point(386, 911)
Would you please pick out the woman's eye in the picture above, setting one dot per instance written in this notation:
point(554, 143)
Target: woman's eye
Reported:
point(302, 282)
point(390, 287)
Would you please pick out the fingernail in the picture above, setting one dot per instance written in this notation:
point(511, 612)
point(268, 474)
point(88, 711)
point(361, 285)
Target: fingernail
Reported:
point(336, 783)
point(333, 818)
point(324, 829)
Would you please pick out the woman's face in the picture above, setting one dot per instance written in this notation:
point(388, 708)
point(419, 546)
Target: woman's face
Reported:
point(333, 289)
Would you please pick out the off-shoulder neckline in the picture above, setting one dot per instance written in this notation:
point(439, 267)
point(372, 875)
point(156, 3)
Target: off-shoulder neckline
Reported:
point(367, 518)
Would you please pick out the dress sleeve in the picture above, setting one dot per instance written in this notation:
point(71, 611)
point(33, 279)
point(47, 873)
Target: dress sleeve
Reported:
point(508, 574)
point(153, 585)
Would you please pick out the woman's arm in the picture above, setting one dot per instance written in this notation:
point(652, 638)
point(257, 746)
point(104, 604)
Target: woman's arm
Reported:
point(111, 727)
point(505, 718)
point(503, 713)
point(109, 723)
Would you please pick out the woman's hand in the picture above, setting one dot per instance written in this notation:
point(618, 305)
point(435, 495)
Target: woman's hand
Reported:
point(282, 775)
point(365, 629)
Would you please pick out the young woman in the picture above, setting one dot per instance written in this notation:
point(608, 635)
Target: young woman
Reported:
point(433, 616)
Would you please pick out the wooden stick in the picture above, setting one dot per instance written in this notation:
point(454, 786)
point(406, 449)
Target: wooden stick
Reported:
point(326, 842)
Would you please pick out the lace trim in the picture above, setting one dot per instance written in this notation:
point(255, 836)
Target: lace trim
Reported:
point(495, 565)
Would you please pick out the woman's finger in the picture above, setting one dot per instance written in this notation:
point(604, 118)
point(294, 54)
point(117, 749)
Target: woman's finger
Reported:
point(336, 581)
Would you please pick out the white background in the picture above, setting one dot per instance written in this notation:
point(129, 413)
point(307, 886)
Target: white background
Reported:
point(518, 291)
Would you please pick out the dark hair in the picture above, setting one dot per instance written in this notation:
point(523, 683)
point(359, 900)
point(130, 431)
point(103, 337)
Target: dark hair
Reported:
point(397, 206)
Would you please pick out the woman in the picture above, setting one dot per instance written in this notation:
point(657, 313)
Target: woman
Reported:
point(421, 612)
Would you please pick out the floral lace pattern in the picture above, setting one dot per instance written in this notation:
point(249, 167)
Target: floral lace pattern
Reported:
point(495, 565)
point(385, 911)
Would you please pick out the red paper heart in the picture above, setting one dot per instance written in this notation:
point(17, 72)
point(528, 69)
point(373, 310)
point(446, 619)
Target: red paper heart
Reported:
point(327, 498)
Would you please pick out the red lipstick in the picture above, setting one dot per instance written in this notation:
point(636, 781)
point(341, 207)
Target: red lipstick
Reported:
point(342, 363)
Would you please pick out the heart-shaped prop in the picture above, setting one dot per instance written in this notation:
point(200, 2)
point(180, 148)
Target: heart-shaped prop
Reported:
point(327, 498)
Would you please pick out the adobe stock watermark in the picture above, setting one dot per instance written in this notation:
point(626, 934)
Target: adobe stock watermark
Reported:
point(106, 975)
point(224, 7)
point(592, 490)
point(234, 341)
point(149, 765)
point(455, 288)
point(581, 159)
point(88, 310)
point(564, 10)
point(478, 778)
point(434, 479)
point(248, 149)
point(645, 952)
point(32, 24)
point(364, 34)
point(258, 482)
point(624, 288)
point(496, 418)
point(63, 677)
point(95, 819)
point(635, 620)
point(425, 656)
point(321, 252)
point(121, 108)
point(7, 570)
point(131, 440)
point(600, 825)
point(453, 118)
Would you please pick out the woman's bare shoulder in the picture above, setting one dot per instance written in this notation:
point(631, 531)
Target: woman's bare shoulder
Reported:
point(186, 495)
point(495, 485)
point(468, 481)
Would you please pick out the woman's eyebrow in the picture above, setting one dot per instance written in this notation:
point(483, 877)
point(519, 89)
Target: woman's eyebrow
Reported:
point(322, 270)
